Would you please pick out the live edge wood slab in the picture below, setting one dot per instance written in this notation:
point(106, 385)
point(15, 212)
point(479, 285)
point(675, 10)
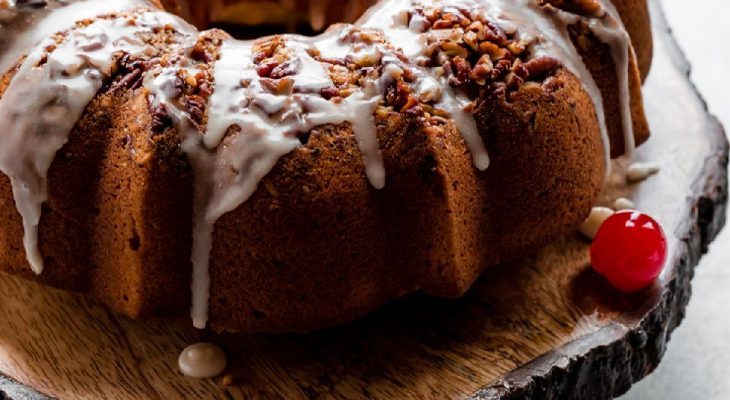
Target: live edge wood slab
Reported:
point(542, 327)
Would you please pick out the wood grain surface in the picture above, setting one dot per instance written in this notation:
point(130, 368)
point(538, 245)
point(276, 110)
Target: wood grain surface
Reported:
point(545, 326)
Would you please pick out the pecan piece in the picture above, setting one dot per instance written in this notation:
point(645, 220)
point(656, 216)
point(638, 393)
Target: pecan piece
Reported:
point(329, 93)
point(412, 107)
point(285, 69)
point(160, 120)
point(264, 70)
point(397, 95)
point(540, 67)
point(494, 34)
point(482, 70)
point(462, 69)
point(501, 68)
point(195, 106)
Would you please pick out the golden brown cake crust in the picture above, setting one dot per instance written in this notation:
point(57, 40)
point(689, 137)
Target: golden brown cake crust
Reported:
point(317, 245)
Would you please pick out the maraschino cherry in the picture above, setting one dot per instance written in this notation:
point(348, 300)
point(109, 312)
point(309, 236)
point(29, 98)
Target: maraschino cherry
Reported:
point(629, 250)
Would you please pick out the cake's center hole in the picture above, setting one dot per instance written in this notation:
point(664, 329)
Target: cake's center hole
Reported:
point(247, 19)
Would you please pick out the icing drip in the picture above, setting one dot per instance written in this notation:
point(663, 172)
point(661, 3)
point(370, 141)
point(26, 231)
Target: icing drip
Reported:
point(163, 93)
point(45, 99)
point(266, 127)
point(610, 30)
point(454, 104)
point(226, 176)
point(607, 26)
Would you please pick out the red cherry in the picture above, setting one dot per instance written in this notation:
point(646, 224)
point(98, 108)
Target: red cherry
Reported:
point(629, 250)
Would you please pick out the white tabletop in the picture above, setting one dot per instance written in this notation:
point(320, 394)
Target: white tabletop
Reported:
point(697, 362)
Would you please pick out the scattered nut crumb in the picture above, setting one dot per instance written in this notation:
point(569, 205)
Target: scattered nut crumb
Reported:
point(637, 172)
point(622, 203)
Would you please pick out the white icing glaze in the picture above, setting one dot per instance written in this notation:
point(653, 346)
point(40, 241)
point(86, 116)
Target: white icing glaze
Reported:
point(455, 105)
point(43, 102)
point(163, 94)
point(610, 30)
point(598, 216)
point(202, 361)
point(61, 19)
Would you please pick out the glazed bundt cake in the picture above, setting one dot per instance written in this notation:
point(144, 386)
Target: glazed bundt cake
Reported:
point(309, 179)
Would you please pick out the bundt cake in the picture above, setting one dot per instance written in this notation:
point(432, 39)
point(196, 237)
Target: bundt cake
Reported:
point(309, 179)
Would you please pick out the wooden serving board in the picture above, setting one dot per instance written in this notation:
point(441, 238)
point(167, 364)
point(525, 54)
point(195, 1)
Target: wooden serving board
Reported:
point(542, 327)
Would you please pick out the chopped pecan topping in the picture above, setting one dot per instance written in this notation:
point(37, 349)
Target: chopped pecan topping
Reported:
point(282, 70)
point(517, 76)
point(477, 52)
point(447, 20)
point(267, 49)
point(541, 67)
point(132, 68)
point(501, 68)
point(551, 84)
point(264, 70)
point(278, 86)
point(472, 53)
point(329, 93)
point(398, 95)
point(160, 120)
point(482, 71)
point(205, 49)
point(195, 106)
point(132, 80)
